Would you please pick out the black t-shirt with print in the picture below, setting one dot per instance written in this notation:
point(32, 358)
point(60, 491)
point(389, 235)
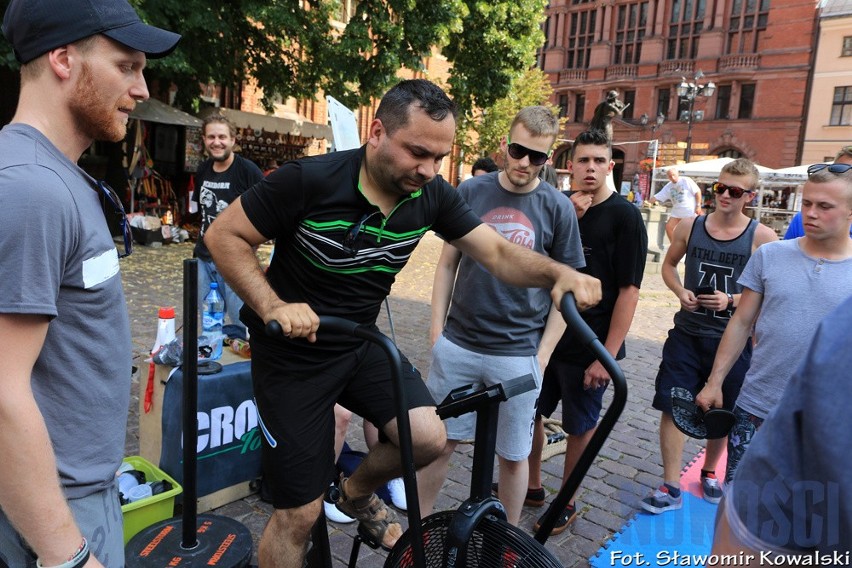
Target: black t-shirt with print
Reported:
point(216, 190)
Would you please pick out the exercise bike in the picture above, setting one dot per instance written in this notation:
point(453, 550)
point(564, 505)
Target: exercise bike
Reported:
point(476, 534)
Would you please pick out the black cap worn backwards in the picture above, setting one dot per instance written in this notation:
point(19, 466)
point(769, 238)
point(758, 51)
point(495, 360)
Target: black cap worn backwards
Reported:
point(34, 27)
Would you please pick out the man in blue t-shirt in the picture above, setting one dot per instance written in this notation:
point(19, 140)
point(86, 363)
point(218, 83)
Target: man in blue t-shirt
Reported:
point(788, 496)
point(796, 228)
point(345, 224)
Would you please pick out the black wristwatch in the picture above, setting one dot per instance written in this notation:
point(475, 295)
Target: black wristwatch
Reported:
point(730, 301)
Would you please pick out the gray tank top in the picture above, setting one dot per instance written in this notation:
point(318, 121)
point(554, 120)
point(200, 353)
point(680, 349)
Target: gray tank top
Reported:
point(711, 262)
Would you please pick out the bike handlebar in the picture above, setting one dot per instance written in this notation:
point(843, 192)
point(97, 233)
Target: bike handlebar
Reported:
point(587, 337)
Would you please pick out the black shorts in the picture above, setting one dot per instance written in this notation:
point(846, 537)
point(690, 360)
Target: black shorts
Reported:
point(295, 404)
point(581, 407)
point(687, 362)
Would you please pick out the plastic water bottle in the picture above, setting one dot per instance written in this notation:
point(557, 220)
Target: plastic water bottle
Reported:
point(212, 319)
point(165, 328)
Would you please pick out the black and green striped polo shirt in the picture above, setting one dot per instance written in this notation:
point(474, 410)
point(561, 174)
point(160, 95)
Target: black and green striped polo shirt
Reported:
point(335, 250)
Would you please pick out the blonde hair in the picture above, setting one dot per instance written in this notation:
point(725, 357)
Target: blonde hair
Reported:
point(742, 167)
point(538, 120)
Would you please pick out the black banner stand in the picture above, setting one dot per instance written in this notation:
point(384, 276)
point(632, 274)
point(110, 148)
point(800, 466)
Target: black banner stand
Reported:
point(192, 540)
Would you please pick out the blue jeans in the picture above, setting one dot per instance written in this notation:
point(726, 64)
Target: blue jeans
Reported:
point(207, 273)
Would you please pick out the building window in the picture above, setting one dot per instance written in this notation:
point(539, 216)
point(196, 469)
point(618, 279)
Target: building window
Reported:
point(730, 153)
point(579, 107)
point(746, 100)
point(685, 25)
point(841, 110)
point(630, 30)
point(563, 106)
point(345, 11)
point(580, 36)
point(723, 101)
point(546, 31)
point(847, 47)
point(747, 23)
point(663, 101)
point(629, 103)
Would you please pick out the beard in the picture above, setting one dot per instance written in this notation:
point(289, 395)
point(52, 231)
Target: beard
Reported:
point(519, 179)
point(385, 171)
point(94, 114)
point(223, 158)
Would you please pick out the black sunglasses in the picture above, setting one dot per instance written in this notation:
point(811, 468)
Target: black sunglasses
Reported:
point(833, 168)
point(518, 152)
point(735, 192)
point(350, 237)
point(112, 197)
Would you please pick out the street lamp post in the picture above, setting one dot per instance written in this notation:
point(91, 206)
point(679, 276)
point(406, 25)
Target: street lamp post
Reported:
point(658, 123)
point(690, 91)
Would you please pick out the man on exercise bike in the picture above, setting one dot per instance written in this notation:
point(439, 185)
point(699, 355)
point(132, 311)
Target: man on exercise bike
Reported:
point(345, 223)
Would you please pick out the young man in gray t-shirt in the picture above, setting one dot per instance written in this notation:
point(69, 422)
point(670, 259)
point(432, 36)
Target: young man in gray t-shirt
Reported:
point(492, 332)
point(65, 373)
point(800, 281)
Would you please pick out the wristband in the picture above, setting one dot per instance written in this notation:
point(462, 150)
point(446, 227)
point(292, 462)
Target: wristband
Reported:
point(77, 561)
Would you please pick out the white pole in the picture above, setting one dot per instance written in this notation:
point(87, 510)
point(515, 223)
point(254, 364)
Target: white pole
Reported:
point(654, 166)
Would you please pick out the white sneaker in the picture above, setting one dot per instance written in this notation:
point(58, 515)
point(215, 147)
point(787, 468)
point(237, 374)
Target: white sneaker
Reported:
point(332, 513)
point(396, 488)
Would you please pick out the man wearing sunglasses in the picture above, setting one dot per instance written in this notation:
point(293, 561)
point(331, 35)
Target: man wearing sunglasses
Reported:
point(796, 228)
point(685, 196)
point(346, 223)
point(788, 287)
point(717, 247)
point(65, 374)
point(485, 332)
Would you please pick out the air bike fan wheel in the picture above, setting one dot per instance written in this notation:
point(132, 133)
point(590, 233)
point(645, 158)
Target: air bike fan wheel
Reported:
point(494, 543)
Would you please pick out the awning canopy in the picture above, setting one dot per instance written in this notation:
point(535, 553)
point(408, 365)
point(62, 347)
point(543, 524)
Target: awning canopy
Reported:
point(295, 124)
point(705, 169)
point(153, 110)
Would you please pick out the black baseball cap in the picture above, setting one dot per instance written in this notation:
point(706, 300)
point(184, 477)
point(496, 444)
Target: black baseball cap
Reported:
point(34, 27)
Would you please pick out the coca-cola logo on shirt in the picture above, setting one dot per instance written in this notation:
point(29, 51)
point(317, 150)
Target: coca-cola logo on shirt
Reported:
point(512, 224)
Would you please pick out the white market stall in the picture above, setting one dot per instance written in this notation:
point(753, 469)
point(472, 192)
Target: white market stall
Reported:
point(766, 207)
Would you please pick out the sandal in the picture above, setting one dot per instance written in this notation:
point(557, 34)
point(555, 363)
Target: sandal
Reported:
point(375, 517)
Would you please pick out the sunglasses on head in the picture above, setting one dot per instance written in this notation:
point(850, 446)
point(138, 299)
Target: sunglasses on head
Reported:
point(735, 192)
point(833, 168)
point(517, 152)
point(112, 197)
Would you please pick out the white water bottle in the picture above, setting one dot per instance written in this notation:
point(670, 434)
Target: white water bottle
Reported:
point(165, 328)
point(212, 319)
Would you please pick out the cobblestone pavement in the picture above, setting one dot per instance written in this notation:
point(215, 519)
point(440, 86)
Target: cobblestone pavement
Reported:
point(628, 467)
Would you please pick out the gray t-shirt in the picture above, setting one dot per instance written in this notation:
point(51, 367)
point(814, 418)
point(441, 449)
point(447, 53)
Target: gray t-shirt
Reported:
point(789, 492)
point(798, 291)
point(58, 259)
point(487, 316)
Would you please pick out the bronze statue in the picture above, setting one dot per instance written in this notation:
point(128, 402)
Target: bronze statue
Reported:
point(605, 112)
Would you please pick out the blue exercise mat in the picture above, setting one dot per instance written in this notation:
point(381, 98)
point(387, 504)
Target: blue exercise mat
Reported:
point(673, 538)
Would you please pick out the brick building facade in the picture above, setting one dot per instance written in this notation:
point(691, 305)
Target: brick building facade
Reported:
point(758, 53)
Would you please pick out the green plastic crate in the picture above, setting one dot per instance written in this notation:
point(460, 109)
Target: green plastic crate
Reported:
point(144, 513)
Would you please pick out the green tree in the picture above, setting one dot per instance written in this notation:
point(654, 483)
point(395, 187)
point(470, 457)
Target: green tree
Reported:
point(294, 48)
point(480, 134)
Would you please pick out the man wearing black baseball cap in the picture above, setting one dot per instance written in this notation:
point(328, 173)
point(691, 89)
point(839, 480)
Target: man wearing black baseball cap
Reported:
point(66, 382)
